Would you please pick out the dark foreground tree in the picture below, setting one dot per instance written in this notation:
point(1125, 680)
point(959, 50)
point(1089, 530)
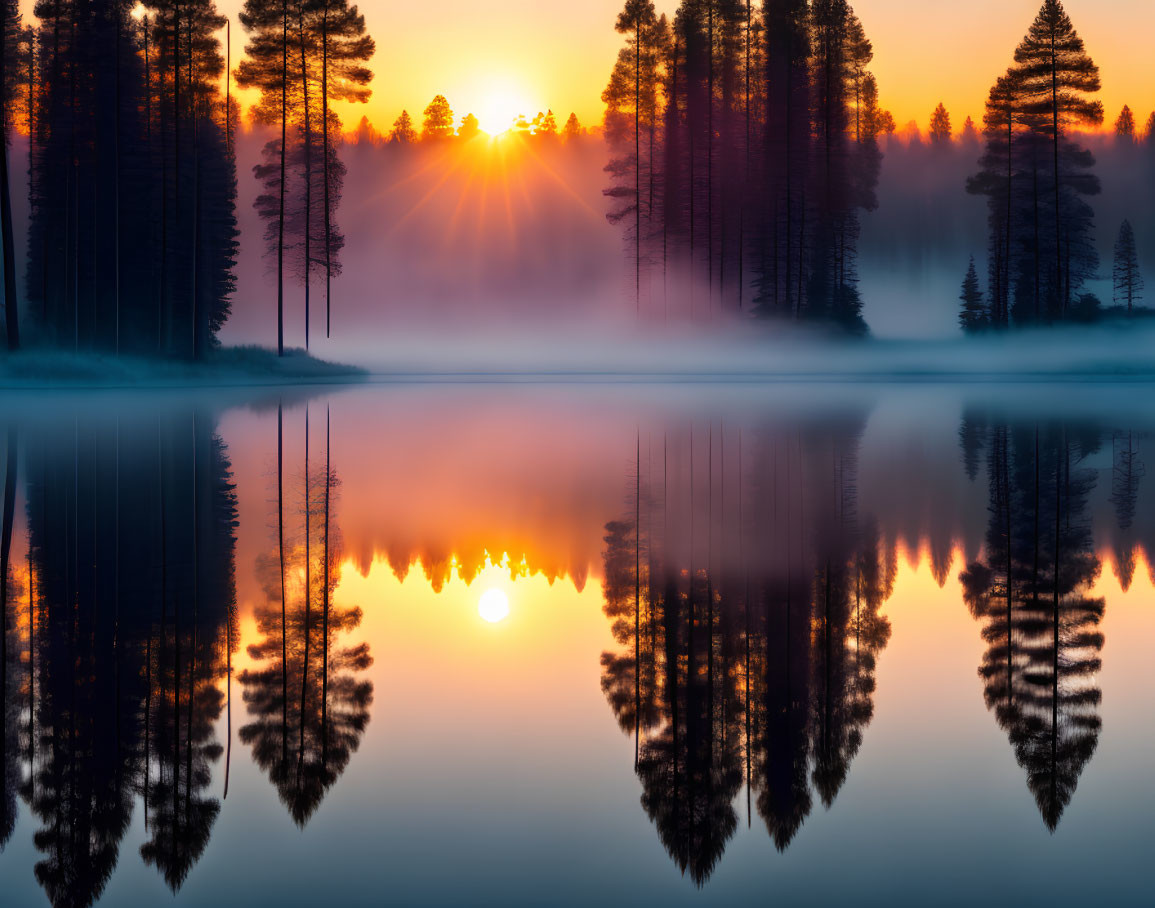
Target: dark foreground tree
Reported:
point(1036, 178)
point(9, 41)
point(132, 232)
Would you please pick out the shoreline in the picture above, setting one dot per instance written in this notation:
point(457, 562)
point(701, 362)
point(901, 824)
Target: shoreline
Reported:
point(41, 369)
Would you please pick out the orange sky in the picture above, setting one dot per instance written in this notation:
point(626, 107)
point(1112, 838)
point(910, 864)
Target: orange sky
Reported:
point(558, 53)
point(536, 54)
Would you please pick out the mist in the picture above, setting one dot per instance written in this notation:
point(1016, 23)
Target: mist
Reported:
point(496, 255)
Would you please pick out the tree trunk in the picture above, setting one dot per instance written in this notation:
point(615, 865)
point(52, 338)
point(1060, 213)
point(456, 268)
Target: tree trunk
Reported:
point(11, 312)
point(281, 555)
point(281, 189)
point(328, 215)
point(308, 137)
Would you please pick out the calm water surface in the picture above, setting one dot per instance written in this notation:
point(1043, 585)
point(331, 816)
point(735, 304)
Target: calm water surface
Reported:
point(519, 645)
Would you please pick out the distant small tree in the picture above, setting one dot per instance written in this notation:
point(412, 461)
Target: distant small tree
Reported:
point(1128, 280)
point(403, 131)
point(544, 124)
point(366, 134)
point(1150, 131)
point(1125, 125)
point(940, 131)
point(522, 126)
point(970, 133)
point(573, 128)
point(469, 128)
point(438, 120)
point(972, 314)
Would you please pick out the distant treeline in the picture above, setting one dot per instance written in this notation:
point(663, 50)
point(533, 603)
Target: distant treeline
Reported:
point(438, 124)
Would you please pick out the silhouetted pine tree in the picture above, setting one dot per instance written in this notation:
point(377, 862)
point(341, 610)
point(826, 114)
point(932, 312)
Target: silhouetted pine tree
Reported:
point(940, 131)
point(1125, 125)
point(132, 238)
point(1128, 281)
point(1036, 178)
point(631, 109)
point(10, 36)
point(973, 313)
point(403, 131)
point(1057, 81)
point(438, 123)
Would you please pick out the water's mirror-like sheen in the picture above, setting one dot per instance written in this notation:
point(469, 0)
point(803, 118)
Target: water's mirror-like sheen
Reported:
point(528, 645)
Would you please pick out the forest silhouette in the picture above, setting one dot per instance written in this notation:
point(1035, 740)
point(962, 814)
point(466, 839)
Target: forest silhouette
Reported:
point(745, 145)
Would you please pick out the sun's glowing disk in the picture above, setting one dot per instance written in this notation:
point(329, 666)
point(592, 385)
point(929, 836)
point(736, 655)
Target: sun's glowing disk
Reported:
point(494, 605)
point(502, 106)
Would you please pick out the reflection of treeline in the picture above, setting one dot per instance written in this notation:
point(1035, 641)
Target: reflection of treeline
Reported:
point(1031, 591)
point(307, 698)
point(745, 594)
point(118, 635)
point(743, 147)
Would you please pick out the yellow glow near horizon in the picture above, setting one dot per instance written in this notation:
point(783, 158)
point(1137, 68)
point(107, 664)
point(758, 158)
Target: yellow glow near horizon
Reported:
point(502, 104)
point(559, 55)
point(493, 606)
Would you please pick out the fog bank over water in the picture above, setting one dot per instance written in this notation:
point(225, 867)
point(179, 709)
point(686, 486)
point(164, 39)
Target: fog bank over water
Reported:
point(755, 352)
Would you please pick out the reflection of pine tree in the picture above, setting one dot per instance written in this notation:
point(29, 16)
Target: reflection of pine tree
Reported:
point(754, 649)
point(690, 773)
point(304, 740)
point(1040, 626)
point(118, 528)
point(10, 703)
point(1127, 469)
point(185, 653)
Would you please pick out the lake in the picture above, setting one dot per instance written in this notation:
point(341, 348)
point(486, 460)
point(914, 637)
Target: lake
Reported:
point(554, 644)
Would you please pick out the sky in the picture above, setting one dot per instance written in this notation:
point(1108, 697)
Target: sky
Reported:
point(503, 57)
point(529, 55)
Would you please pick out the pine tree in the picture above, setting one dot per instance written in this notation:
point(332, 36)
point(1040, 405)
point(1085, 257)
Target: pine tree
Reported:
point(1127, 278)
point(366, 133)
point(545, 124)
point(10, 31)
point(344, 48)
point(266, 68)
point(940, 130)
point(630, 102)
point(438, 120)
point(403, 132)
point(973, 313)
point(1058, 81)
point(970, 134)
point(573, 128)
point(469, 128)
point(1125, 125)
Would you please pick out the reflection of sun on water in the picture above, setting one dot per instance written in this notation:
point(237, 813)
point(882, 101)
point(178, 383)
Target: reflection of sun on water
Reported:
point(493, 606)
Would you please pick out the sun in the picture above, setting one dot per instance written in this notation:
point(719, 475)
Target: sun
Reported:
point(493, 605)
point(502, 103)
